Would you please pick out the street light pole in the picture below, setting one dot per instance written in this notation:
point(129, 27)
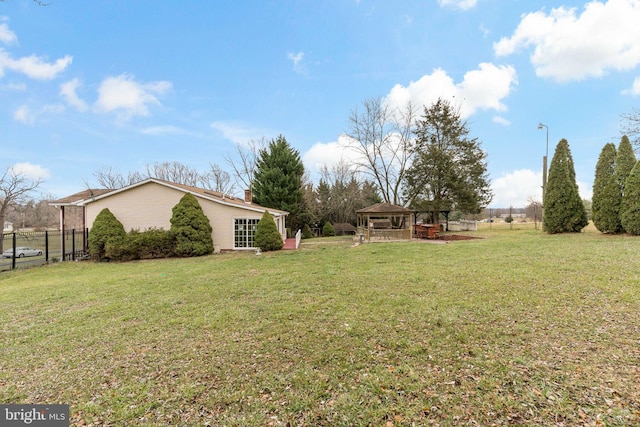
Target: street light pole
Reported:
point(544, 162)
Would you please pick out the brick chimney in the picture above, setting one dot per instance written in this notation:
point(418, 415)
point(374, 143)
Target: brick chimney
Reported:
point(247, 196)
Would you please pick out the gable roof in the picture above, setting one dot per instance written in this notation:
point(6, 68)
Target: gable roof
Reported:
point(385, 208)
point(77, 198)
point(213, 196)
point(343, 227)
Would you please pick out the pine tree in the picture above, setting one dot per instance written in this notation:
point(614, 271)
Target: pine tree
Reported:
point(267, 236)
point(630, 210)
point(278, 181)
point(449, 169)
point(564, 210)
point(191, 228)
point(605, 210)
point(105, 227)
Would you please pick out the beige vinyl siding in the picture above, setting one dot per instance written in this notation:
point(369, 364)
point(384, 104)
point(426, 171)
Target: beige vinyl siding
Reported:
point(150, 205)
point(141, 207)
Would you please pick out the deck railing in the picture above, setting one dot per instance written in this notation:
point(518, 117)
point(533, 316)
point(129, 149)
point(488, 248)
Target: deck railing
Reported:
point(384, 234)
point(298, 238)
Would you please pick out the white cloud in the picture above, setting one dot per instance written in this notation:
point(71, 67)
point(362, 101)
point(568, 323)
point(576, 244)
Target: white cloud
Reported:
point(327, 154)
point(298, 66)
point(239, 132)
point(24, 115)
point(128, 98)
point(6, 35)
point(501, 121)
point(570, 47)
point(53, 108)
point(634, 90)
point(458, 4)
point(33, 66)
point(515, 188)
point(484, 88)
point(164, 130)
point(484, 30)
point(17, 87)
point(30, 170)
point(68, 92)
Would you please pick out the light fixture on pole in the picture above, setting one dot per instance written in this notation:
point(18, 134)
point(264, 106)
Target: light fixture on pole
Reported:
point(544, 161)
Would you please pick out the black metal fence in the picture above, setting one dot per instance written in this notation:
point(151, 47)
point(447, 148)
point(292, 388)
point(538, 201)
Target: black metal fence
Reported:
point(49, 246)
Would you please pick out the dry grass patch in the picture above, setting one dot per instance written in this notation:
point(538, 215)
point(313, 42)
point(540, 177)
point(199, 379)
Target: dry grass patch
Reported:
point(517, 328)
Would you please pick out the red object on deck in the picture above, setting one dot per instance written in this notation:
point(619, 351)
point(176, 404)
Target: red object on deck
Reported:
point(427, 231)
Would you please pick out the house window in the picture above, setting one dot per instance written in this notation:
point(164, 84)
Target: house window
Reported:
point(244, 232)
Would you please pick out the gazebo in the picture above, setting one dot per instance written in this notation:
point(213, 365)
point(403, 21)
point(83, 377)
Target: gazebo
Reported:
point(385, 221)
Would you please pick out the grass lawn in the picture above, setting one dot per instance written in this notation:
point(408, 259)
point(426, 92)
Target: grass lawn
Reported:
point(517, 328)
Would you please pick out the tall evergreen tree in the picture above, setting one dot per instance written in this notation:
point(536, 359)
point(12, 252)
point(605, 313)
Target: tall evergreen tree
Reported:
point(564, 210)
point(449, 169)
point(278, 181)
point(630, 209)
point(625, 161)
point(605, 209)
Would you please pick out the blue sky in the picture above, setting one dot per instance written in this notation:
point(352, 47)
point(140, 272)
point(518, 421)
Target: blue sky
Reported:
point(88, 85)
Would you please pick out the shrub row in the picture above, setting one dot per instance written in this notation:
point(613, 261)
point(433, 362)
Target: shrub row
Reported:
point(190, 235)
point(148, 244)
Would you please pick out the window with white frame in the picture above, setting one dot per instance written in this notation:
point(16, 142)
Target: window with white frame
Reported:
point(244, 231)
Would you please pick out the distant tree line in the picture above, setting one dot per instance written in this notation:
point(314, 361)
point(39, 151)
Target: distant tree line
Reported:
point(426, 161)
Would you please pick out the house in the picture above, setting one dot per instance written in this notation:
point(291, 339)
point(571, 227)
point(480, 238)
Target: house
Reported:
point(149, 204)
point(8, 227)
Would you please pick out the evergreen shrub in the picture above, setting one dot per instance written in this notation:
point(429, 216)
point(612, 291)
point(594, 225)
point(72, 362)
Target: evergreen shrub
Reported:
point(191, 228)
point(148, 244)
point(307, 233)
point(267, 236)
point(328, 230)
point(106, 228)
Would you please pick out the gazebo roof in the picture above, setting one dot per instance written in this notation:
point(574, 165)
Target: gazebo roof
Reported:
point(385, 208)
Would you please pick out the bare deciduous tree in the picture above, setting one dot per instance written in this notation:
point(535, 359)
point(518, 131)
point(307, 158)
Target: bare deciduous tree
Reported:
point(631, 126)
point(109, 178)
point(15, 186)
point(244, 167)
point(381, 136)
point(174, 172)
point(217, 179)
